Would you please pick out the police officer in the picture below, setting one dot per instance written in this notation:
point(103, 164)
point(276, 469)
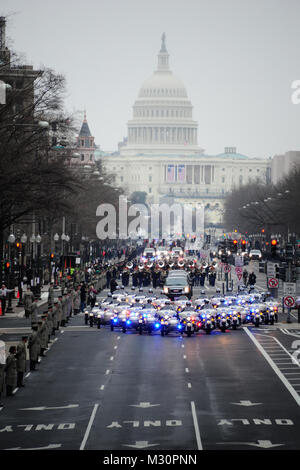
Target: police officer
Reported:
point(21, 360)
point(11, 371)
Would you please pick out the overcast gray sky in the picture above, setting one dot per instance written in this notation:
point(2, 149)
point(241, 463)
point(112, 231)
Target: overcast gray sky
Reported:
point(237, 59)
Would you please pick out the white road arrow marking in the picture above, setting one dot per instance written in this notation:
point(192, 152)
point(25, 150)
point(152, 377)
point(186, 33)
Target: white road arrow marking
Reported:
point(246, 403)
point(140, 445)
point(50, 446)
point(42, 408)
point(144, 404)
point(261, 443)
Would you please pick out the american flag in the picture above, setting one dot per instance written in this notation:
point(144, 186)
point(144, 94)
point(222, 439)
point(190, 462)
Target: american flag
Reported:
point(181, 173)
point(170, 174)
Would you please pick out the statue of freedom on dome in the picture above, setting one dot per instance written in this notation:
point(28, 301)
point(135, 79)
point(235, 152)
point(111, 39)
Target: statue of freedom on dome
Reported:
point(163, 43)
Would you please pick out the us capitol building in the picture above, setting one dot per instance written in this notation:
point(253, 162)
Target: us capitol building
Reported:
point(161, 155)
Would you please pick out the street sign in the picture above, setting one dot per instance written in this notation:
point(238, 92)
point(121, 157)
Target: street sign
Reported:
point(271, 270)
point(289, 287)
point(239, 275)
point(289, 301)
point(238, 270)
point(77, 261)
point(227, 268)
point(273, 283)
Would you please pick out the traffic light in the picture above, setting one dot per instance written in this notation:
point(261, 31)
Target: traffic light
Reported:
point(274, 248)
point(51, 256)
point(243, 243)
point(6, 267)
point(235, 244)
point(208, 238)
point(18, 245)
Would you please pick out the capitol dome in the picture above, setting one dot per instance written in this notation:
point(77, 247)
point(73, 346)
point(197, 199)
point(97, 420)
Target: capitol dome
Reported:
point(162, 114)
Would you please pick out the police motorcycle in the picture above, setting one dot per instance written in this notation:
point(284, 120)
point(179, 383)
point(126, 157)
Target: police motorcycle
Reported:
point(223, 319)
point(188, 322)
point(271, 312)
point(135, 320)
point(256, 314)
point(235, 317)
point(216, 302)
point(150, 319)
point(116, 314)
point(207, 320)
point(201, 303)
point(169, 321)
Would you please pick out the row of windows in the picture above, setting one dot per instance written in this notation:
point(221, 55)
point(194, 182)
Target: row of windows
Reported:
point(163, 92)
point(162, 112)
point(241, 169)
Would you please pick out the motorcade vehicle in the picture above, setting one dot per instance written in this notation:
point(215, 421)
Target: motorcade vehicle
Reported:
point(176, 286)
point(149, 253)
point(255, 254)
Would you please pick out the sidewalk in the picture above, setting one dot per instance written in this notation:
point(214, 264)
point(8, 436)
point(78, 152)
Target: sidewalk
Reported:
point(19, 312)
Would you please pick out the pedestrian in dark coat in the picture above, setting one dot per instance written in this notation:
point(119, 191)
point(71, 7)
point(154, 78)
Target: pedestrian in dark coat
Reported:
point(113, 285)
point(11, 371)
point(21, 361)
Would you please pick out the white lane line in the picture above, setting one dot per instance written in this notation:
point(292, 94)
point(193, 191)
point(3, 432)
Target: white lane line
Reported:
point(88, 429)
point(62, 331)
point(112, 358)
point(118, 337)
point(196, 426)
point(107, 372)
point(294, 361)
point(274, 367)
point(184, 356)
point(27, 375)
point(115, 347)
point(187, 369)
point(182, 345)
point(102, 387)
point(15, 390)
point(189, 385)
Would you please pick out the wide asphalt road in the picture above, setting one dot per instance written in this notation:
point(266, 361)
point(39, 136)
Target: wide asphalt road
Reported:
point(98, 389)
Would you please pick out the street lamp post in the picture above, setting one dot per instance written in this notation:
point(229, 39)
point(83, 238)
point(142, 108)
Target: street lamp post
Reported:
point(11, 240)
point(21, 273)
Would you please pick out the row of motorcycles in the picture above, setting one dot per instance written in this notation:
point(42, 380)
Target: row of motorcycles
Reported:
point(149, 314)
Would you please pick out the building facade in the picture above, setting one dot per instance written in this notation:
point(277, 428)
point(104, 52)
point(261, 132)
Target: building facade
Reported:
point(282, 165)
point(161, 155)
